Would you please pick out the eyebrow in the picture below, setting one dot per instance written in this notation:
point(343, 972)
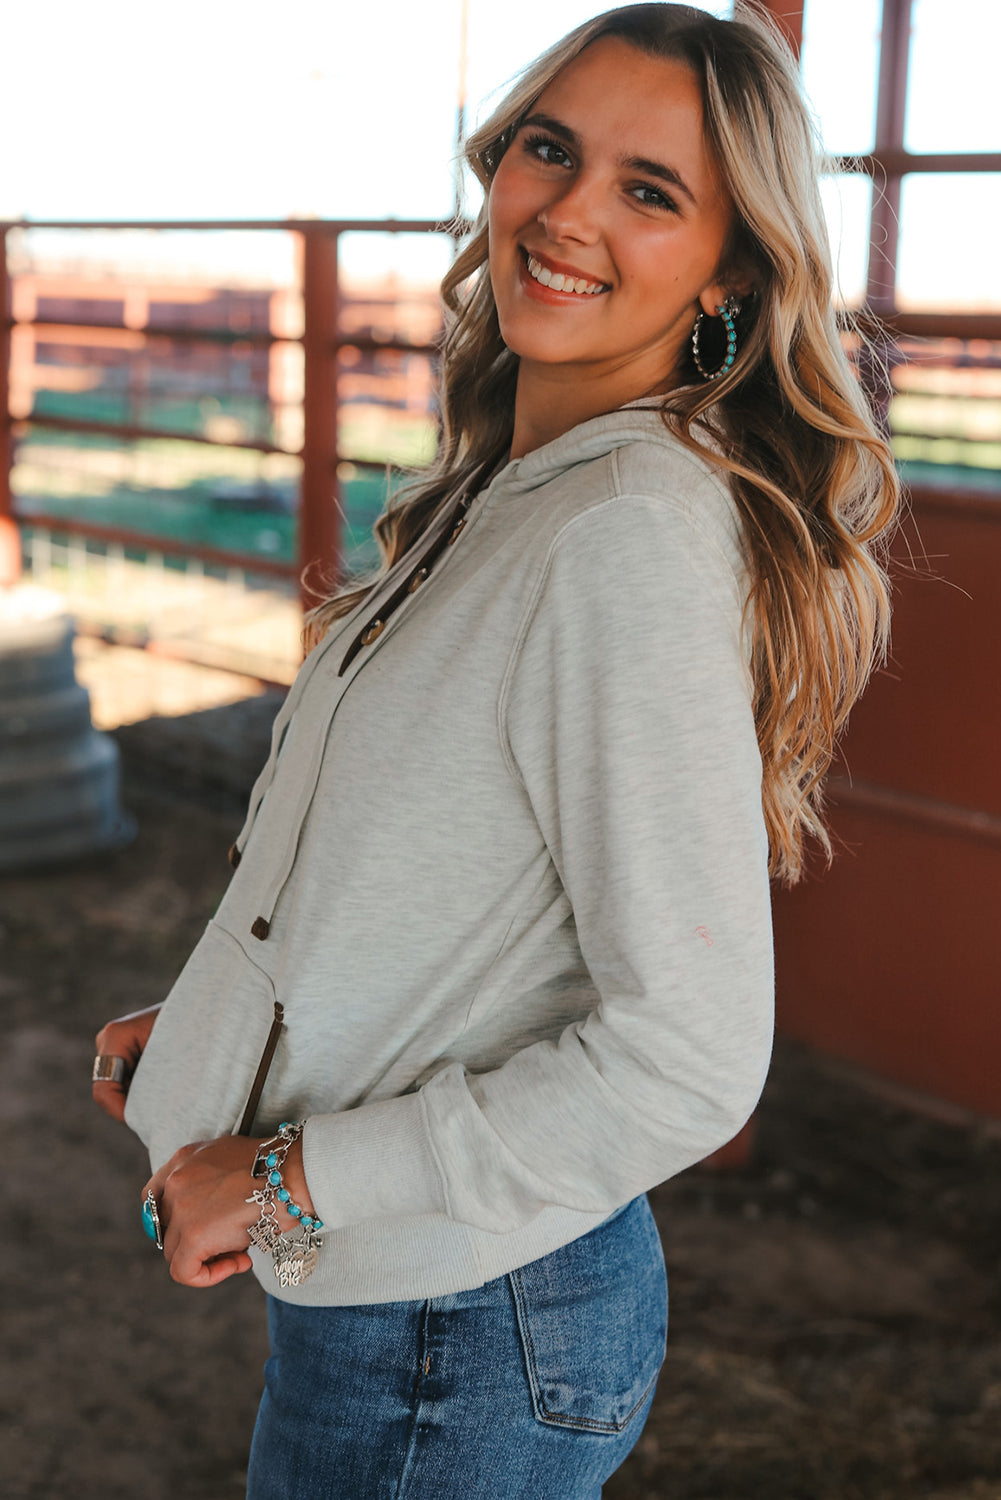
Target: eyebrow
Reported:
point(641, 164)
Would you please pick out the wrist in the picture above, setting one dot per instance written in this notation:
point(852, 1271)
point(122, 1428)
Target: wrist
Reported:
point(278, 1164)
point(287, 1228)
point(295, 1178)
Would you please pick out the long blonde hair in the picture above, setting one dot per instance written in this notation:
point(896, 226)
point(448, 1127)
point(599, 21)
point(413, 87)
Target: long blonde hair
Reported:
point(811, 475)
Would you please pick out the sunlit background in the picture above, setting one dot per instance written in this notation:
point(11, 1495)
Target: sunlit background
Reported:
point(252, 111)
point(180, 416)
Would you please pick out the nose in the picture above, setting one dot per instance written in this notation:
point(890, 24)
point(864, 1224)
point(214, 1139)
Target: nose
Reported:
point(573, 213)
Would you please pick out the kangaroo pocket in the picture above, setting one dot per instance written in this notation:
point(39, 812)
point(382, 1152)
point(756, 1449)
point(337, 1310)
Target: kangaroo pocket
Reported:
point(193, 1079)
point(593, 1323)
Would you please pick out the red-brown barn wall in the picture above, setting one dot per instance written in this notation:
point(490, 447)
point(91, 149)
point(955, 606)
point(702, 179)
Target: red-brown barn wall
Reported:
point(892, 959)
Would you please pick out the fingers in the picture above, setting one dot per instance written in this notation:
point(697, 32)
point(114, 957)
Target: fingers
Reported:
point(133, 1030)
point(201, 1195)
point(190, 1255)
point(126, 1038)
point(189, 1270)
point(111, 1098)
point(156, 1186)
point(157, 1183)
point(104, 1042)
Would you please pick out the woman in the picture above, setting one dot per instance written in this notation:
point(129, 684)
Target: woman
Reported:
point(497, 955)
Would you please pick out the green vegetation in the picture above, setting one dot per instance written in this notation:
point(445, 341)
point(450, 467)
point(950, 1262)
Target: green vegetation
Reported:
point(242, 501)
point(234, 499)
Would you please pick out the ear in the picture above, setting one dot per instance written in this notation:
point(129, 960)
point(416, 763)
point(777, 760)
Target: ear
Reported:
point(735, 283)
point(712, 297)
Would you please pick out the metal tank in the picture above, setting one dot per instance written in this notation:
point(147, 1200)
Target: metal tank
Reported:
point(59, 777)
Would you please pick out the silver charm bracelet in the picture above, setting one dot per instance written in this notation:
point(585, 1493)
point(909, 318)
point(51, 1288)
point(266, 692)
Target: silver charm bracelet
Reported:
point(294, 1257)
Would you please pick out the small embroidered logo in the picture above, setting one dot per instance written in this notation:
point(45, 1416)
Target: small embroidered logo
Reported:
point(705, 935)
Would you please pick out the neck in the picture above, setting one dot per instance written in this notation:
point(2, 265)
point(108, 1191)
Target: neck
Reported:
point(547, 404)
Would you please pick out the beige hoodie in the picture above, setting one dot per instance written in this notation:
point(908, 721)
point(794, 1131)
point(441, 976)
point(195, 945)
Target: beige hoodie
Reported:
point(509, 879)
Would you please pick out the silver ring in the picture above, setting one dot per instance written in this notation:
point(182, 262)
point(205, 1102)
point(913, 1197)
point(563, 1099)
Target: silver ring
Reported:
point(151, 1220)
point(108, 1069)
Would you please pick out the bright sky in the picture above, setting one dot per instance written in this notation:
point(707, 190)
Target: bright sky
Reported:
point(210, 109)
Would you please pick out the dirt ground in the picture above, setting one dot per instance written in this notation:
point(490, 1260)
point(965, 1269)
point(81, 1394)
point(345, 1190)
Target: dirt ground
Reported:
point(835, 1323)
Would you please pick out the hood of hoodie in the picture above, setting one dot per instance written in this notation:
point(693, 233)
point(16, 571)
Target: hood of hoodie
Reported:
point(639, 422)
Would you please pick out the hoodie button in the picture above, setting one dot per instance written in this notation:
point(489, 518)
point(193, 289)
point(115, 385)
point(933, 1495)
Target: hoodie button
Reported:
point(234, 856)
point(260, 929)
point(372, 632)
point(417, 580)
point(460, 523)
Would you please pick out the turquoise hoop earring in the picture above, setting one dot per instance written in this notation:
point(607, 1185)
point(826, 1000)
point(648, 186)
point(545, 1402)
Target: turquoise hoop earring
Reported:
point(727, 312)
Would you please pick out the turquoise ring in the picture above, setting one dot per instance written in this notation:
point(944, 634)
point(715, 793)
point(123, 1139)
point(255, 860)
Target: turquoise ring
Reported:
point(151, 1220)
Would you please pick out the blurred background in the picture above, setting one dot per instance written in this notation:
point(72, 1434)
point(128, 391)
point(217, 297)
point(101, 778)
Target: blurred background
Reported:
point(221, 233)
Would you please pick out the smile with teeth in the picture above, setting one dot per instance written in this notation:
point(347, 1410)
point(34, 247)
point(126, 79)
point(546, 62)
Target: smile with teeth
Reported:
point(557, 282)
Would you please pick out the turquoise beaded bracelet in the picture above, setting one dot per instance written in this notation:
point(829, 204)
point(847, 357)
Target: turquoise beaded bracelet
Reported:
point(269, 1161)
point(293, 1259)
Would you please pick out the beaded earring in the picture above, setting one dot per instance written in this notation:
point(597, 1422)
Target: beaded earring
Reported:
point(727, 312)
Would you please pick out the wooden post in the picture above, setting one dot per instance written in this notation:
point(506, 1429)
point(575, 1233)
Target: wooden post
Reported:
point(891, 104)
point(10, 537)
point(319, 516)
point(789, 15)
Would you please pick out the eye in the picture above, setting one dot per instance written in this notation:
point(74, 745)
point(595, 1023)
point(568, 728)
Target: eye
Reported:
point(652, 197)
point(547, 150)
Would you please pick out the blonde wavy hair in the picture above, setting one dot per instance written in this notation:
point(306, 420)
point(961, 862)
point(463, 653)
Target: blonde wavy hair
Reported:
point(810, 472)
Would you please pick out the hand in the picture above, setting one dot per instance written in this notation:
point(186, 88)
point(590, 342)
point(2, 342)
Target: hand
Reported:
point(201, 1195)
point(125, 1038)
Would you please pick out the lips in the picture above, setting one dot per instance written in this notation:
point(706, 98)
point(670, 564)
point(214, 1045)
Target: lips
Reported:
point(558, 278)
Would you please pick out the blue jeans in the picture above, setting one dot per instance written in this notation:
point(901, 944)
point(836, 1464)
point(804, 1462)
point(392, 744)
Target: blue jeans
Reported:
point(532, 1387)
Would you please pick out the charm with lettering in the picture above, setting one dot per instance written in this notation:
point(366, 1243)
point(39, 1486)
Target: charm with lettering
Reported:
point(294, 1262)
point(264, 1233)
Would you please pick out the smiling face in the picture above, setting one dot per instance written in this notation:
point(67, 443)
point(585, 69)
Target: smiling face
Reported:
point(608, 222)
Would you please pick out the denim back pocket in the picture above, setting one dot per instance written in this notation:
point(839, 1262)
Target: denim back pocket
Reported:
point(593, 1323)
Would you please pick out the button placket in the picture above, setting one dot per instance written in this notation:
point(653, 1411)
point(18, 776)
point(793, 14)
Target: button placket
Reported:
point(409, 585)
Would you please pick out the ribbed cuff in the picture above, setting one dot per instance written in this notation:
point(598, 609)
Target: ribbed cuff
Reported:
point(372, 1162)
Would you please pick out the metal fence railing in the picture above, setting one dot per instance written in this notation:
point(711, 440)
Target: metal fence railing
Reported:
point(222, 426)
point(149, 365)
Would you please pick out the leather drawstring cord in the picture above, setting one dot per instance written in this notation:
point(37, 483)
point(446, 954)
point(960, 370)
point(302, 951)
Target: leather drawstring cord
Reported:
point(373, 628)
point(257, 1087)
